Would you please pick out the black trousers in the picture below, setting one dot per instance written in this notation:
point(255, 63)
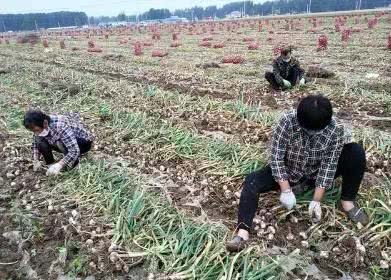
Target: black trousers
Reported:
point(293, 76)
point(47, 150)
point(351, 167)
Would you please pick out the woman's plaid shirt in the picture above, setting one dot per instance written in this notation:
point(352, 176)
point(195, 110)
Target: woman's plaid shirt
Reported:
point(65, 129)
point(296, 155)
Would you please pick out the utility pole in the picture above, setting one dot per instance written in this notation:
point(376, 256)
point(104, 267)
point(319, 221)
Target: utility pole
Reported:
point(36, 25)
point(5, 29)
point(309, 7)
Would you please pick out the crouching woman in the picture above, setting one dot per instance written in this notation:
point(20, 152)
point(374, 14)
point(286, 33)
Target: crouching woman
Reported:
point(62, 133)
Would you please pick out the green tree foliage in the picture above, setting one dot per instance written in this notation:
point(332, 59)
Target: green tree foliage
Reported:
point(20, 22)
point(156, 14)
point(122, 16)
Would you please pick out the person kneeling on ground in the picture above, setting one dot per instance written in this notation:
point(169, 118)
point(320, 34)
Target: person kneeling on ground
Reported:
point(62, 133)
point(286, 72)
point(309, 149)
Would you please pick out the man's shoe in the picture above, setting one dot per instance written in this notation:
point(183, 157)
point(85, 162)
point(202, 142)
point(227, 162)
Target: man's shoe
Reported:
point(356, 214)
point(237, 244)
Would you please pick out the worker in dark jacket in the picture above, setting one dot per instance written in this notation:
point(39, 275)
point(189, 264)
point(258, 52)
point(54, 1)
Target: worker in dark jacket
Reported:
point(287, 72)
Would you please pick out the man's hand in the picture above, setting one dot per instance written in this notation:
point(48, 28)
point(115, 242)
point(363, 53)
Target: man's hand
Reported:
point(315, 211)
point(288, 199)
point(302, 82)
point(287, 84)
point(54, 169)
point(36, 165)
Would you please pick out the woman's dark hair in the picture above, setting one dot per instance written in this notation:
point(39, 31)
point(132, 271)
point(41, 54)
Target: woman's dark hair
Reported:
point(35, 118)
point(286, 51)
point(314, 112)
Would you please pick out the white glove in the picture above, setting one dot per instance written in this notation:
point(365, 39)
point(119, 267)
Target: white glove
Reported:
point(54, 169)
point(36, 165)
point(315, 211)
point(302, 82)
point(288, 199)
point(287, 84)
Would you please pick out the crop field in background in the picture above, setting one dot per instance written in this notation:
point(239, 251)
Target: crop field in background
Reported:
point(181, 113)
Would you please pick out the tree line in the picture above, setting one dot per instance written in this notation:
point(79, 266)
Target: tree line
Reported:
point(21, 22)
point(251, 9)
point(279, 7)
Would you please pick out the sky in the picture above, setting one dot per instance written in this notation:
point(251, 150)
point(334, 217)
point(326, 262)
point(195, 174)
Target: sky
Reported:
point(103, 7)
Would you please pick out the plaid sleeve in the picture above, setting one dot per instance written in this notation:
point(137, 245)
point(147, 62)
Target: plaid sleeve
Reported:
point(329, 163)
point(68, 138)
point(277, 73)
point(278, 149)
point(34, 149)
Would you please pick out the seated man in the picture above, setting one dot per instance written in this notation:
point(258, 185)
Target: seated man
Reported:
point(286, 72)
point(64, 134)
point(309, 149)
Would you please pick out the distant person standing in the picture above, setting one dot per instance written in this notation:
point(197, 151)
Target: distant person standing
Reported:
point(62, 133)
point(287, 72)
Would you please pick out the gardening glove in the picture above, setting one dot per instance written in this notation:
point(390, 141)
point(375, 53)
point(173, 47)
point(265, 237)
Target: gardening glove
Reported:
point(287, 84)
point(54, 169)
point(302, 82)
point(315, 211)
point(36, 165)
point(288, 199)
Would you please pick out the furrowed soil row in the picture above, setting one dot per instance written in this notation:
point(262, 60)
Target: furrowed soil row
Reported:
point(190, 85)
point(118, 98)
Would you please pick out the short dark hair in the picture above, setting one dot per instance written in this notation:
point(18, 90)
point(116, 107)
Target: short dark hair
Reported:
point(35, 118)
point(314, 112)
point(286, 51)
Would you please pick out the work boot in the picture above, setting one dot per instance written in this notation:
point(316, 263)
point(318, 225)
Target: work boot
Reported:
point(237, 244)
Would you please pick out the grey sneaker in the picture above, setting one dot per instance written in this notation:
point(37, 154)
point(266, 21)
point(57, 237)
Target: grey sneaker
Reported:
point(237, 244)
point(356, 214)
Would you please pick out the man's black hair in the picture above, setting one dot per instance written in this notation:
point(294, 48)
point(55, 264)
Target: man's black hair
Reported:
point(314, 112)
point(35, 118)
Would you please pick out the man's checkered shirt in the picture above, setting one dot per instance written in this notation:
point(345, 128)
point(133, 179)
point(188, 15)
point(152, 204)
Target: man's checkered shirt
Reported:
point(295, 154)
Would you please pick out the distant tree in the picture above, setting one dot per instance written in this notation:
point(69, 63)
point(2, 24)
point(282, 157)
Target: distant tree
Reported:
point(153, 14)
point(121, 16)
point(93, 21)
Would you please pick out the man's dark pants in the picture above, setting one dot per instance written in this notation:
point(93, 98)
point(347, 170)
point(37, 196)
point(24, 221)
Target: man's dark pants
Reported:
point(351, 167)
point(293, 76)
point(46, 149)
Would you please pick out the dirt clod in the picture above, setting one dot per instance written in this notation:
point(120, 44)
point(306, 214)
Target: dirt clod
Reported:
point(316, 71)
point(208, 65)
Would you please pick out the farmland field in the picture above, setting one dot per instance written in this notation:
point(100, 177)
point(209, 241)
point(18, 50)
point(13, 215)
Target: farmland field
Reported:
point(157, 197)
